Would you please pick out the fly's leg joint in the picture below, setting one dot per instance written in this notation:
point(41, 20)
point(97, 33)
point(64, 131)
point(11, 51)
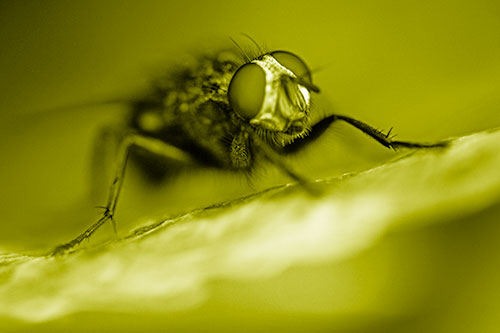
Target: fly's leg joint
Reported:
point(131, 139)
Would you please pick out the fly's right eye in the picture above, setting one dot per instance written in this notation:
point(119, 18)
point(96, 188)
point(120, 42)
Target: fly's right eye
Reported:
point(297, 66)
point(246, 90)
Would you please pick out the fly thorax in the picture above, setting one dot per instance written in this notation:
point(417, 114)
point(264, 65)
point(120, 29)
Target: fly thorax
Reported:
point(286, 102)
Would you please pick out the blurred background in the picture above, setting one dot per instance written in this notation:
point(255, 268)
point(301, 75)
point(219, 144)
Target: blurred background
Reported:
point(430, 69)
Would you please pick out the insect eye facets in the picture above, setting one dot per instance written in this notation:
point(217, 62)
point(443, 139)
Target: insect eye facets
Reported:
point(297, 66)
point(246, 90)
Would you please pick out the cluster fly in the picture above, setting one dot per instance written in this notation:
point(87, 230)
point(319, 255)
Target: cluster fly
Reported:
point(224, 112)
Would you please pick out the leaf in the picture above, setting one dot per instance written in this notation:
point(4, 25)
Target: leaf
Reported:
point(261, 241)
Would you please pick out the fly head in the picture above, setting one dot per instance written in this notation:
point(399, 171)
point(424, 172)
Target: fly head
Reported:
point(273, 94)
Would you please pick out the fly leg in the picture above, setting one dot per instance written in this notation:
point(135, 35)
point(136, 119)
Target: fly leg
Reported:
point(128, 141)
point(318, 129)
point(274, 157)
point(384, 139)
point(103, 159)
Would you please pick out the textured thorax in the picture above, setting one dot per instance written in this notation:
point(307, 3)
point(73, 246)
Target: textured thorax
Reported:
point(192, 110)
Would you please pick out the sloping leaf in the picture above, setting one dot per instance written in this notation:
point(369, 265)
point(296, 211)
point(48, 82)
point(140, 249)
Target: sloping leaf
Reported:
point(175, 263)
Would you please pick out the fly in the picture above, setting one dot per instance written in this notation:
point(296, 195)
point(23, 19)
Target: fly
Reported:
point(224, 112)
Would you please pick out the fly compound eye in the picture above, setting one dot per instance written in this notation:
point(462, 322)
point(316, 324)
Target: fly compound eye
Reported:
point(297, 66)
point(246, 90)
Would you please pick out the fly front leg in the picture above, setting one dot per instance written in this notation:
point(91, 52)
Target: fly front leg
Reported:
point(275, 158)
point(128, 141)
point(385, 139)
point(319, 128)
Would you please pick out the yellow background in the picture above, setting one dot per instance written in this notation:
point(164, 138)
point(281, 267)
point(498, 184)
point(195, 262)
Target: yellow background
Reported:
point(431, 69)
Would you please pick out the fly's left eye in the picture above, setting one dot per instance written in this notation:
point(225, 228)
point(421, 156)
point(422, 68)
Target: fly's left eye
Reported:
point(297, 66)
point(246, 90)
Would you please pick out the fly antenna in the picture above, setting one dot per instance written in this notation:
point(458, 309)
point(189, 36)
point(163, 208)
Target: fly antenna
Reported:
point(301, 76)
point(317, 69)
